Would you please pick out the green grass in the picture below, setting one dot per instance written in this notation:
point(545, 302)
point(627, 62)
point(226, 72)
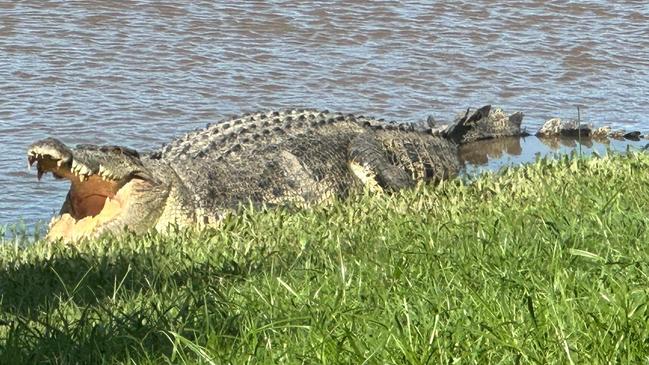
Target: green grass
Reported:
point(547, 263)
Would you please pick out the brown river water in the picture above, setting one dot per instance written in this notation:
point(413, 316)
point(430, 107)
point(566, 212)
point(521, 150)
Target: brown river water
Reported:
point(138, 73)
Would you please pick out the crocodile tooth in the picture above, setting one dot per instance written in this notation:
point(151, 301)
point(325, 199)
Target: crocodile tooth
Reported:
point(79, 168)
point(84, 170)
point(59, 163)
point(83, 177)
point(54, 220)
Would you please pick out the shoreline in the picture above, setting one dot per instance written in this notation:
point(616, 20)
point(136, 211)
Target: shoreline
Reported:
point(479, 157)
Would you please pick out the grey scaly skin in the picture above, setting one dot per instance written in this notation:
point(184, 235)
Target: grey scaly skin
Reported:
point(292, 157)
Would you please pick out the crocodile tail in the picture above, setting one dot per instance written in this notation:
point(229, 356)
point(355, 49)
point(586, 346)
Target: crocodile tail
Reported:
point(484, 123)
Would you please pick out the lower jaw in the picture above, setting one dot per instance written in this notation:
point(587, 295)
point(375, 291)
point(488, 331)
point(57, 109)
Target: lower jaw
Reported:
point(69, 229)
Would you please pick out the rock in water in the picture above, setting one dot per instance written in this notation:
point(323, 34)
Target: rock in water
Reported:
point(557, 127)
point(484, 123)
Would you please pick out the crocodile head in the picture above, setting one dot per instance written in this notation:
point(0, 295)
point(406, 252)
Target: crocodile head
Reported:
point(110, 189)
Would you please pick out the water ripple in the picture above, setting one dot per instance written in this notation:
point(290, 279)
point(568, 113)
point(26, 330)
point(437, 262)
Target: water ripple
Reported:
point(141, 72)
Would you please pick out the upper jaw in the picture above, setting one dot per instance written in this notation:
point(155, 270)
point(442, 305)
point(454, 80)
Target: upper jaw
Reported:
point(50, 154)
point(110, 163)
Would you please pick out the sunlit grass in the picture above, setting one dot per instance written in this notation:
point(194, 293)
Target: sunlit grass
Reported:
point(547, 263)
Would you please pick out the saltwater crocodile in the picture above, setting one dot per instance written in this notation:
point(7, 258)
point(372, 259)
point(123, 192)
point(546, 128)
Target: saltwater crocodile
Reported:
point(291, 157)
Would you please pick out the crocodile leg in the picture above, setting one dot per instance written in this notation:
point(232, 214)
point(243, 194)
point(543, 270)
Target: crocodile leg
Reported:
point(370, 163)
point(424, 158)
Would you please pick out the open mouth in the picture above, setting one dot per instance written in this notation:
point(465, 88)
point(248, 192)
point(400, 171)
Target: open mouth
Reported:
point(96, 195)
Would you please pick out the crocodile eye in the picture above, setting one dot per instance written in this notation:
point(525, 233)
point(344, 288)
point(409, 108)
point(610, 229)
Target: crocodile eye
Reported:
point(119, 150)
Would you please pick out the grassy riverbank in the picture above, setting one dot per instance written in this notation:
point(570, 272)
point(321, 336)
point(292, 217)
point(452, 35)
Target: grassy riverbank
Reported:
point(547, 263)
